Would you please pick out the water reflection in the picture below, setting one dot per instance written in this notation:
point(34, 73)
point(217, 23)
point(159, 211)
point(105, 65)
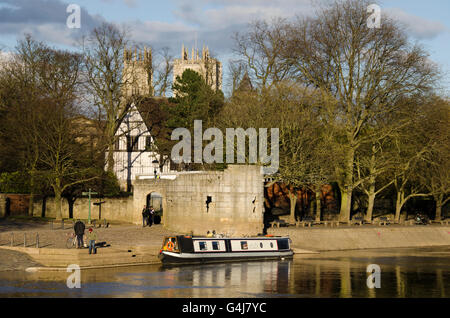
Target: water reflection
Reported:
point(405, 273)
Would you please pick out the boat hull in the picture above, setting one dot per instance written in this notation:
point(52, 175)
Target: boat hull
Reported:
point(195, 258)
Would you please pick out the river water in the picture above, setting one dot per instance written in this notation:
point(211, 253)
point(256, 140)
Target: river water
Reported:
point(423, 272)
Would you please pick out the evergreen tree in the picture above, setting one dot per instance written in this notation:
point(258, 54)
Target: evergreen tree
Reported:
point(194, 100)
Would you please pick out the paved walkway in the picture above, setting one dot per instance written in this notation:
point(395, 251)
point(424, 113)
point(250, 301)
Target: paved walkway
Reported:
point(116, 234)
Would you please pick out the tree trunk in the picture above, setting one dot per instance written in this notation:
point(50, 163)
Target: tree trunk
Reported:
point(58, 199)
point(347, 188)
point(371, 198)
point(438, 212)
point(398, 206)
point(318, 204)
point(369, 213)
point(439, 201)
point(292, 201)
point(346, 204)
point(70, 202)
point(31, 204)
point(31, 201)
point(110, 164)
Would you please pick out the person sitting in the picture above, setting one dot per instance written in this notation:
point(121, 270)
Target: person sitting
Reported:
point(209, 234)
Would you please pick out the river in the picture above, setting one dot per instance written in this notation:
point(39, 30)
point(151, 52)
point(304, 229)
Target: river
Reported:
point(414, 272)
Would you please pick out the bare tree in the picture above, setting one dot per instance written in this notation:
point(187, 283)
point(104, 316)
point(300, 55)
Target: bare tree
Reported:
point(362, 72)
point(19, 96)
point(260, 50)
point(435, 172)
point(104, 62)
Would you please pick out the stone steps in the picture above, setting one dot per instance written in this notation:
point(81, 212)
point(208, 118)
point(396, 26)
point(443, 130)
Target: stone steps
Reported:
point(105, 256)
point(96, 260)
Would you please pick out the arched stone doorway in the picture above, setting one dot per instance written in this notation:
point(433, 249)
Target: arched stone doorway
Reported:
point(155, 199)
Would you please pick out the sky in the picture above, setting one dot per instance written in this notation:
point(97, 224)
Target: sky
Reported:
point(171, 23)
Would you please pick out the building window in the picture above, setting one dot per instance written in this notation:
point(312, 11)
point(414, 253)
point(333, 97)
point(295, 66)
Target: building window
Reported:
point(132, 143)
point(148, 143)
point(117, 144)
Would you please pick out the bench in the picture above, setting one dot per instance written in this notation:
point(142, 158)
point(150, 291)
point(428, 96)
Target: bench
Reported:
point(384, 221)
point(277, 223)
point(357, 220)
point(441, 222)
point(105, 224)
point(307, 221)
point(331, 223)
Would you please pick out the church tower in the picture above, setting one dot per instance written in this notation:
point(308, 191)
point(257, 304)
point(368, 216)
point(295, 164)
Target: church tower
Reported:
point(206, 66)
point(137, 72)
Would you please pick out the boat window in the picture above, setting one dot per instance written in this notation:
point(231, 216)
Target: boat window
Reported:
point(215, 246)
point(202, 246)
point(283, 244)
point(261, 245)
point(271, 245)
point(244, 245)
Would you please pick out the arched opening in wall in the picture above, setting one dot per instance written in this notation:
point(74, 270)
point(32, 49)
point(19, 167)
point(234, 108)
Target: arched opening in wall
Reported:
point(155, 200)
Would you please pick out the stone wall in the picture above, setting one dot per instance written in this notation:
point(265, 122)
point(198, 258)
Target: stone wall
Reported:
point(17, 204)
point(236, 206)
point(336, 239)
point(2, 205)
point(117, 209)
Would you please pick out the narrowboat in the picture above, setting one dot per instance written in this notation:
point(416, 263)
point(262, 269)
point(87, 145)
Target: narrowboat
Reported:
point(188, 249)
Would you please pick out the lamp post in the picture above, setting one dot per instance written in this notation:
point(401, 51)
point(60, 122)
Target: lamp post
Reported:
point(89, 194)
point(155, 171)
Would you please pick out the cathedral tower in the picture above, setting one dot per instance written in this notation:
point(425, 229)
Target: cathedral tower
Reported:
point(137, 72)
point(206, 66)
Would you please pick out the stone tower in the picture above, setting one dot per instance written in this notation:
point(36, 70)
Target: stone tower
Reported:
point(206, 66)
point(137, 72)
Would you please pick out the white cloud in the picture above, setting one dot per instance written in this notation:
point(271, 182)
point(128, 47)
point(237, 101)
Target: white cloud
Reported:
point(418, 27)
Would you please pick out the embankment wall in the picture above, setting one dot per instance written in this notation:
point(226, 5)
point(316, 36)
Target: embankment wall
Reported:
point(366, 238)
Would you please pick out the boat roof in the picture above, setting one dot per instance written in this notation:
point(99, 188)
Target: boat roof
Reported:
point(231, 238)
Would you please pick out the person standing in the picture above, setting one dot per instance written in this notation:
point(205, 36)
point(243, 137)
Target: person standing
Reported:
point(92, 237)
point(144, 216)
point(151, 212)
point(79, 228)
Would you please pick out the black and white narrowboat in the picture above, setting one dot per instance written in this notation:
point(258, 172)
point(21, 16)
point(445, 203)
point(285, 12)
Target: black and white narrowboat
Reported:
point(188, 249)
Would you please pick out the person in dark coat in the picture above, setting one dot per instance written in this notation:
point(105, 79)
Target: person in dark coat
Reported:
point(79, 228)
point(151, 212)
point(145, 215)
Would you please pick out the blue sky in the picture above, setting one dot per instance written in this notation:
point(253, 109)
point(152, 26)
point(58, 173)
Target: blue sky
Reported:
point(170, 23)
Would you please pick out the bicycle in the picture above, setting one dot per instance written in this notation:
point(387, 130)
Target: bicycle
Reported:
point(71, 240)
